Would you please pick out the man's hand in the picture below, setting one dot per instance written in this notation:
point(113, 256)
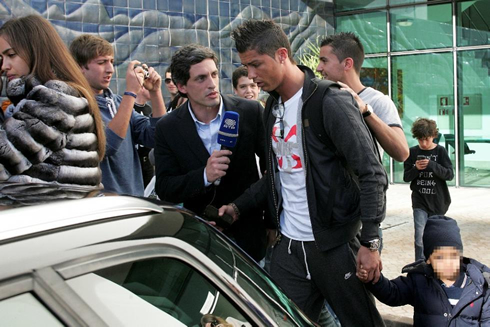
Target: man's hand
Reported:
point(154, 81)
point(421, 164)
point(271, 236)
point(142, 96)
point(134, 77)
point(360, 103)
point(370, 262)
point(217, 165)
point(228, 209)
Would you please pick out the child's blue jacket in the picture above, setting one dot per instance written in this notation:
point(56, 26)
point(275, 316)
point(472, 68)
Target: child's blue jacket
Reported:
point(421, 289)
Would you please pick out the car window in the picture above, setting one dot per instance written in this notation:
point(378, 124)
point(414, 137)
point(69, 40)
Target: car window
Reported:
point(167, 290)
point(262, 289)
point(26, 310)
point(247, 273)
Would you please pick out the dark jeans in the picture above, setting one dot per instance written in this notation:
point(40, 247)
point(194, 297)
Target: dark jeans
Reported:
point(419, 220)
point(332, 277)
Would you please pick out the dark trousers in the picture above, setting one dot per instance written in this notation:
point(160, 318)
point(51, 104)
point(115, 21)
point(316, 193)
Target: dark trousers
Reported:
point(332, 277)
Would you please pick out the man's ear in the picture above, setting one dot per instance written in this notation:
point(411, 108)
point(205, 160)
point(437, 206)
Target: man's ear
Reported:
point(182, 88)
point(348, 63)
point(83, 69)
point(282, 55)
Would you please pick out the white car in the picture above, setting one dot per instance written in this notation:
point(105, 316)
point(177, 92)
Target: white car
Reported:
point(124, 261)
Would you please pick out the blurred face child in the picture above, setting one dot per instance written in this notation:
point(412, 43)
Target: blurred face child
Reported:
point(446, 262)
point(13, 66)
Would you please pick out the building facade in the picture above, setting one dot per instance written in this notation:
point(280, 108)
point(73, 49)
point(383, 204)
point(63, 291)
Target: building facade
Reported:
point(431, 57)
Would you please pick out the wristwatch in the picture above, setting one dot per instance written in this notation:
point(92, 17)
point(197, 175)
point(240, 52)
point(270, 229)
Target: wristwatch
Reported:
point(372, 245)
point(368, 111)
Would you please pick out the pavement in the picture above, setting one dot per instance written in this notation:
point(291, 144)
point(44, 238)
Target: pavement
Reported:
point(470, 207)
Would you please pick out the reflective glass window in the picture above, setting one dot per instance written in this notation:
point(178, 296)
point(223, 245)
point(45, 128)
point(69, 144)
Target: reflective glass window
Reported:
point(403, 2)
point(421, 27)
point(160, 291)
point(370, 27)
point(345, 5)
point(473, 22)
point(374, 73)
point(422, 86)
point(474, 117)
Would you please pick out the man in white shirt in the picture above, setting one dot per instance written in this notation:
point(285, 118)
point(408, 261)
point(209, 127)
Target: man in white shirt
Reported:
point(341, 58)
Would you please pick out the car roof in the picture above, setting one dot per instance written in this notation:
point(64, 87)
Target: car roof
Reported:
point(38, 218)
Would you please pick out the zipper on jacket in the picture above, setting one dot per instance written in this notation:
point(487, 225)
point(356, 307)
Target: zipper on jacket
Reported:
point(305, 155)
point(449, 309)
point(275, 196)
point(304, 136)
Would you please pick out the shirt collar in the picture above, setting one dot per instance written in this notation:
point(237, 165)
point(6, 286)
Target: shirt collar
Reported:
point(197, 121)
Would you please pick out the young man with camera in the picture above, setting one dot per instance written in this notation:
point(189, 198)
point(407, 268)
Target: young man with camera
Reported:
point(121, 168)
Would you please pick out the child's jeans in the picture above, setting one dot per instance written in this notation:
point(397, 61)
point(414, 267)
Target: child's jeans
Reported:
point(419, 220)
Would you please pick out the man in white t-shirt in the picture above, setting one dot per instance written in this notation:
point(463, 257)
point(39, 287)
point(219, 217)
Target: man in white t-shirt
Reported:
point(316, 137)
point(341, 58)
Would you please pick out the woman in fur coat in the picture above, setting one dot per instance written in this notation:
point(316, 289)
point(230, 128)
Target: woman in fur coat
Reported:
point(55, 134)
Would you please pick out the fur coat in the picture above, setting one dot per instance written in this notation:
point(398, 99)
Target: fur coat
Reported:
point(50, 137)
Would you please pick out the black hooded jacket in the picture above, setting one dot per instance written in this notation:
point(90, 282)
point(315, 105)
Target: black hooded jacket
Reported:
point(345, 186)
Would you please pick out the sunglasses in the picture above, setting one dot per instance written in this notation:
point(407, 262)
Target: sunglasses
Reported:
point(168, 80)
point(278, 112)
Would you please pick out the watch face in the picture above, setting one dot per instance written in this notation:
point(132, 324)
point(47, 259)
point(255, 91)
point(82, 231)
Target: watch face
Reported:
point(374, 244)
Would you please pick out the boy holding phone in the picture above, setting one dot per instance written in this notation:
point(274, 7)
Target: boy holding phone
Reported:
point(427, 168)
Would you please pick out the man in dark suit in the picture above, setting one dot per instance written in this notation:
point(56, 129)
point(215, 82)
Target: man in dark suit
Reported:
point(188, 158)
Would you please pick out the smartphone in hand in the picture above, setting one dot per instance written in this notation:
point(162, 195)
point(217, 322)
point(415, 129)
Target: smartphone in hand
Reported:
point(211, 214)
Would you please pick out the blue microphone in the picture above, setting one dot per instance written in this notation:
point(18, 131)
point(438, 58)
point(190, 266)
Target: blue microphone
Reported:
point(228, 133)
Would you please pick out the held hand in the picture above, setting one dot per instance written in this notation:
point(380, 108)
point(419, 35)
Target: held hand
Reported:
point(217, 165)
point(370, 262)
point(134, 77)
point(358, 99)
point(154, 81)
point(271, 237)
point(421, 164)
point(362, 274)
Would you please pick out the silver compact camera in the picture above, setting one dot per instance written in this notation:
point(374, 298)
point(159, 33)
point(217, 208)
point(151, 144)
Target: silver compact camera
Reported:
point(146, 74)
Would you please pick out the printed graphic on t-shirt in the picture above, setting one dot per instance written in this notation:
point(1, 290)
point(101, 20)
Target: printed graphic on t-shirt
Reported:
point(286, 150)
point(426, 181)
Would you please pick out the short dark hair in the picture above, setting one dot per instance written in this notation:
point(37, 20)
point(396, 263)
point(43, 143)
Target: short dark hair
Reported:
point(238, 73)
point(423, 128)
point(263, 36)
point(87, 47)
point(346, 45)
point(187, 56)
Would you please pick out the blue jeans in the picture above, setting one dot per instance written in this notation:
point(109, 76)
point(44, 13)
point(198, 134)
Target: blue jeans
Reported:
point(419, 220)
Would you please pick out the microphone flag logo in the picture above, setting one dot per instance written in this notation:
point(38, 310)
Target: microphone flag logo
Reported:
point(228, 130)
